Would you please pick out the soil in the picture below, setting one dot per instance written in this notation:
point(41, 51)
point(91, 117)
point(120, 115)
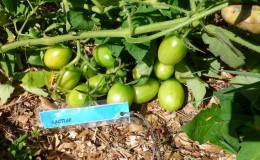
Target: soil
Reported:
point(152, 133)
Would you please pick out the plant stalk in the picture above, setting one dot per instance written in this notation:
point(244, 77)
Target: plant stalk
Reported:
point(168, 25)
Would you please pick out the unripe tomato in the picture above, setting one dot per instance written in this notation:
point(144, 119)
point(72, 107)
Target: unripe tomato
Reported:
point(171, 95)
point(163, 71)
point(57, 57)
point(146, 92)
point(98, 82)
point(103, 56)
point(136, 73)
point(171, 50)
point(78, 97)
point(120, 92)
point(87, 71)
point(70, 78)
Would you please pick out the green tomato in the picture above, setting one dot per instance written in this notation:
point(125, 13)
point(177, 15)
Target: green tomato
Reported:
point(171, 95)
point(255, 69)
point(171, 50)
point(78, 97)
point(98, 82)
point(57, 57)
point(146, 92)
point(120, 92)
point(103, 56)
point(136, 73)
point(70, 78)
point(163, 71)
point(87, 71)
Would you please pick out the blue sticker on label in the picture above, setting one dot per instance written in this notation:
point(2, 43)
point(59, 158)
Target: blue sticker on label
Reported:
point(73, 116)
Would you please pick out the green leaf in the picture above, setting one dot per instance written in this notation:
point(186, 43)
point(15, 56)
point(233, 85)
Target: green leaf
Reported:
point(36, 78)
point(10, 5)
point(5, 92)
point(35, 90)
point(138, 51)
point(7, 63)
point(249, 87)
point(80, 20)
point(218, 124)
point(197, 86)
point(222, 47)
point(36, 60)
point(250, 146)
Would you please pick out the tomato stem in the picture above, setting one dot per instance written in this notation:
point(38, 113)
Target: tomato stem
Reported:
point(124, 33)
point(77, 58)
point(234, 37)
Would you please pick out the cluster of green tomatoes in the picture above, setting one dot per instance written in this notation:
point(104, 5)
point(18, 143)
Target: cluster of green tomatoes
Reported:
point(169, 90)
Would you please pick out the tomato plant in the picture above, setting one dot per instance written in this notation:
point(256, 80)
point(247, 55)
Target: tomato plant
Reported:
point(57, 56)
point(78, 97)
point(103, 56)
point(98, 84)
point(70, 78)
point(163, 71)
point(128, 32)
point(171, 95)
point(120, 92)
point(171, 50)
point(146, 92)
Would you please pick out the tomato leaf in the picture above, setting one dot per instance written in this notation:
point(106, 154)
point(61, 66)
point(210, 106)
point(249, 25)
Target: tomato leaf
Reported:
point(35, 90)
point(5, 92)
point(7, 63)
point(222, 47)
point(80, 20)
point(197, 86)
point(35, 59)
point(37, 78)
point(10, 5)
point(250, 146)
point(218, 124)
point(138, 51)
point(249, 87)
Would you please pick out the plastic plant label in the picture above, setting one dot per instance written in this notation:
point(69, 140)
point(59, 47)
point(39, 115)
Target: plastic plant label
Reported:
point(89, 116)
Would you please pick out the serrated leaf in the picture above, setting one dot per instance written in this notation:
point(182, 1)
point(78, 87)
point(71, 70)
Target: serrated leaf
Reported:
point(5, 92)
point(221, 48)
point(138, 51)
point(80, 20)
point(35, 90)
